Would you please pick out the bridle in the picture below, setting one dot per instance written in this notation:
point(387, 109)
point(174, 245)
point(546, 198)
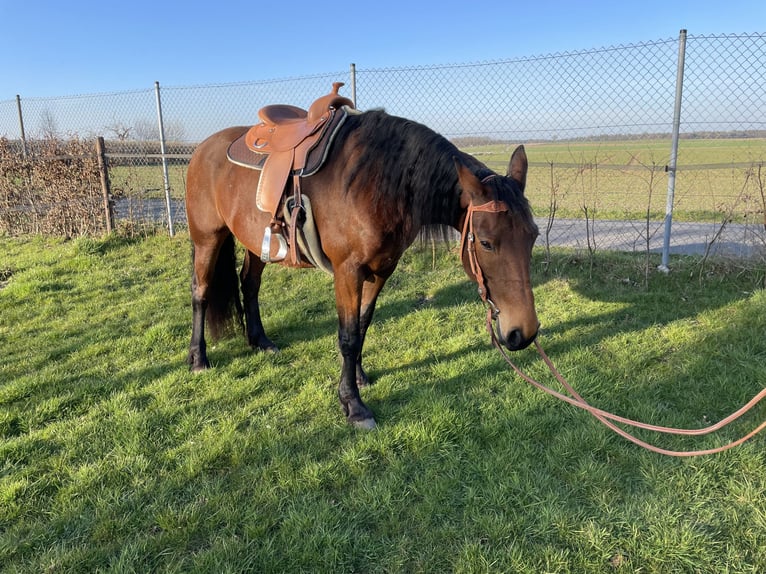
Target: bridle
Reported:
point(605, 417)
point(468, 242)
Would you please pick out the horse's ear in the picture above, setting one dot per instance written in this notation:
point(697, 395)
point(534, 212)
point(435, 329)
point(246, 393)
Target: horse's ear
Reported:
point(517, 167)
point(469, 183)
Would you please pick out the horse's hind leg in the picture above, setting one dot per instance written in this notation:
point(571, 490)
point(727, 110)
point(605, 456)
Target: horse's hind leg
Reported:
point(214, 292)
point(250, 277)
point(203, 261)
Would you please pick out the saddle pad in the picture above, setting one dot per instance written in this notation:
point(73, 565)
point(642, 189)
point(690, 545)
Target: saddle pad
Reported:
point(242, 155)
point(239, 154)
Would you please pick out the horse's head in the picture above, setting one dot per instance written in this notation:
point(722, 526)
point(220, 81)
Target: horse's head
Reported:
point(496, 249)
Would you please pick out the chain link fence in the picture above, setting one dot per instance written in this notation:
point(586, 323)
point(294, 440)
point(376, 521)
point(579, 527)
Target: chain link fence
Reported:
point(598, 125)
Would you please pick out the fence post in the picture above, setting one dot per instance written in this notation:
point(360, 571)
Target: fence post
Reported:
point(103, 171)
point(164, 159)
point(353, 84)
point(21, 127)
point(671, 167)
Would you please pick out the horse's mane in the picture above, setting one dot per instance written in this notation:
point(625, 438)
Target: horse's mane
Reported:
point(411, 169)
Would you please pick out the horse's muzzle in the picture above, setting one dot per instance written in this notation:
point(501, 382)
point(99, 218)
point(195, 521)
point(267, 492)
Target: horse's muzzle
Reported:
point(516, 340)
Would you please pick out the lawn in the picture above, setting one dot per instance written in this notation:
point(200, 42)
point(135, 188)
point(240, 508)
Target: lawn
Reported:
point(113, 457)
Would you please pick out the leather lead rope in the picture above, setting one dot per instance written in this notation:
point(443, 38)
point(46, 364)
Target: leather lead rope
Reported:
point(606, 417)
point(468, 241)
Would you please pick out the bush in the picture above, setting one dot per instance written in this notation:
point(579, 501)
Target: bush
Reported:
point(53, 189)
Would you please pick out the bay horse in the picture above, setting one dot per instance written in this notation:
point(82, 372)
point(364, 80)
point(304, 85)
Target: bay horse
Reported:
point(385, 180)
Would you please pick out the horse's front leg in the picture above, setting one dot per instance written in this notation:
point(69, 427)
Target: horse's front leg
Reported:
point(250, 278)
point(370, 292)
point(348, 299)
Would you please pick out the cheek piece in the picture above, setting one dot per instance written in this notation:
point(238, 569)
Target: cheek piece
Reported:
point(468, 244)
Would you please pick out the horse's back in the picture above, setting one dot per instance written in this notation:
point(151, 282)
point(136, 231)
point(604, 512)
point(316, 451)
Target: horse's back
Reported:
point(215, 187)
point(355, 223)
point(209, 159)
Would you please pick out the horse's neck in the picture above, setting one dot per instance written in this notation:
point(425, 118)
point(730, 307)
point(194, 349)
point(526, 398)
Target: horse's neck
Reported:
point(444, 211)
point(441, 203)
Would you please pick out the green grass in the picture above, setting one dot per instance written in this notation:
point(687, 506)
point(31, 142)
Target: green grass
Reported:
point(113, 457)
point(615, 179)
point(147, 181)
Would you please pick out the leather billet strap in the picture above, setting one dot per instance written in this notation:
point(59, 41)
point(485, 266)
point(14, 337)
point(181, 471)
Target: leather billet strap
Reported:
point(297, 206)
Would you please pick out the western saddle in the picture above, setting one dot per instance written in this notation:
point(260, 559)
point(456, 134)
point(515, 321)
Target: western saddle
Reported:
point(289, 141)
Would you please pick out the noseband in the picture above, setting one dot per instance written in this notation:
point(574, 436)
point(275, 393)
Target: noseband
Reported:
point(468, 240)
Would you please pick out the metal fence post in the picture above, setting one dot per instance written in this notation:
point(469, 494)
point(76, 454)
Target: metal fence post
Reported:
point(165, 175)
point(21, 127)
point(352, 69)
point(671, 167)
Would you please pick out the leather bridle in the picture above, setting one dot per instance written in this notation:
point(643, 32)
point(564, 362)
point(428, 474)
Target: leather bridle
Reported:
point(468, 242)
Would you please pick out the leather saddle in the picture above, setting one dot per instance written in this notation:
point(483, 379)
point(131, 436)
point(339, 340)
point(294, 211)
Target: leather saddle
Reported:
point(287, 134)
point(289, 141)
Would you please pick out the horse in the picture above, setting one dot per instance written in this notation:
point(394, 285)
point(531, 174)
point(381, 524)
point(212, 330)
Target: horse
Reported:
point(386, 181)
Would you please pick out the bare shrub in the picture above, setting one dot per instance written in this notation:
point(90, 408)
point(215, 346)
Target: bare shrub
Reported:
point(53, 189)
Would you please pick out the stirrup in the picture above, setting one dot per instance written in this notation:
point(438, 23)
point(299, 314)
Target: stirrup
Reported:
point(266, 247)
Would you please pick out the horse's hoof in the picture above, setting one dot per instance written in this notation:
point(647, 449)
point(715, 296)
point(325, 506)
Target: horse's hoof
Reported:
point(365, 424)
point(197, 365)
point(273, 350)
point(265, 345)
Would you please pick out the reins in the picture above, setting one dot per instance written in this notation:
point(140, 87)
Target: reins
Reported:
point(606, 418)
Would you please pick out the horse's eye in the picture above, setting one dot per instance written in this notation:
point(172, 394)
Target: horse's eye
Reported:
point(486, 245)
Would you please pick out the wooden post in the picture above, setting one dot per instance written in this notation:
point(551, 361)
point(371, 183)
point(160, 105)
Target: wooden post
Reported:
point(21, 127)
point(105, 191)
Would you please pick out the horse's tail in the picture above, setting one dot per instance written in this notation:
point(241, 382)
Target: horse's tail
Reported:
point(224, 306)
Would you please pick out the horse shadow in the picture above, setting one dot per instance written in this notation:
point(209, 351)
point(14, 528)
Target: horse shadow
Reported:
point(633, 311)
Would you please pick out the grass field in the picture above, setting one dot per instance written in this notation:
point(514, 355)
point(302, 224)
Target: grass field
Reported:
point(717, 178)
point(147, 181)
point(113, 457)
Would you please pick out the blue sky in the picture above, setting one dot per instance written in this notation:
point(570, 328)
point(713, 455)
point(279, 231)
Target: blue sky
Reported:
point(78, 47)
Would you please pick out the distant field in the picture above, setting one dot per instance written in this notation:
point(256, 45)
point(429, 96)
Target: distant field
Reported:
point(147, 181)
point(622, 179)
point(717, 178)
